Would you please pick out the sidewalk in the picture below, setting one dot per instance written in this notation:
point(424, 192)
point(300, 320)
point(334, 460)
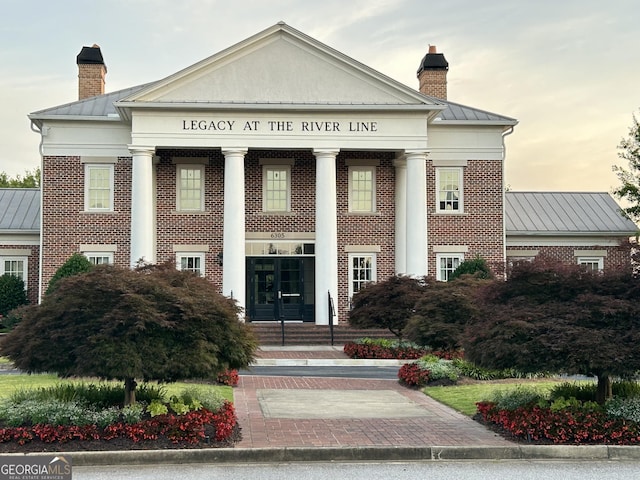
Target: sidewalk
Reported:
point(287, 419)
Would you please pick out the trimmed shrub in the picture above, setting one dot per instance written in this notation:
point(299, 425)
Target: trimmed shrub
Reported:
point(12, 294)
point(476, 266)
point(75, 265)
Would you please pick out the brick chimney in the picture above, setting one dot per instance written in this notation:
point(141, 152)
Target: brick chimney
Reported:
point(432, 74)
point(91, 72)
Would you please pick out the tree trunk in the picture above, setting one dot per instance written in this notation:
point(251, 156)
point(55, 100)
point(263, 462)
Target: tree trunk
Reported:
point(603, 391)
point(129, 391)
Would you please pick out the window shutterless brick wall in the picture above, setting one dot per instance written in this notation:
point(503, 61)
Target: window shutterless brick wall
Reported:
point(191, 228)
point(365, 229)
point(479, 227)
point(65, 225)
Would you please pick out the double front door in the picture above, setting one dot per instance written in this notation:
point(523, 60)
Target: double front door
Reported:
point(280, 288)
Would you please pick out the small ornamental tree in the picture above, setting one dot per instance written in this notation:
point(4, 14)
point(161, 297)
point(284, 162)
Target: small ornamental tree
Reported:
point(561, 318)
point(387, 304)
point(442, 313)
point(76, 264)
point(12, 293)
point(154, 323)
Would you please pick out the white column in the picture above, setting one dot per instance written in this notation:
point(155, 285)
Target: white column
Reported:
point(401, 216)
point(233, 247)
point(326, 235)
point(142, 205)
point(416, 222)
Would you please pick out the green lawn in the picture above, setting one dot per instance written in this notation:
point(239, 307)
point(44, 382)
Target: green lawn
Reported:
point(11, 383)
point(463, 398)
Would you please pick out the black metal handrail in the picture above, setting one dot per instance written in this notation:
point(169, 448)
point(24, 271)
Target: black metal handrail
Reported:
point(332, 313)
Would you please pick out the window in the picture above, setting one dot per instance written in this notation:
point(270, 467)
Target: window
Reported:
point(191, 262)
point(447, 264)
point(592, 263)
point(190, 188)
point(99, 258)
point(98, 188)
point(449, 190)
point(362, 189)
point(276, 188)
point(16, 266)
point(362, 270)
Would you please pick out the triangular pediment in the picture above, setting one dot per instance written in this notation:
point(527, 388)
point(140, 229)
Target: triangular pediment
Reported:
point(280, 66)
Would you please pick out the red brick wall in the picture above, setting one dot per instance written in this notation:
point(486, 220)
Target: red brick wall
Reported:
point(65, 225)
point(370, 229)
point(616, 256)
point(191, 228)
point(480, 226)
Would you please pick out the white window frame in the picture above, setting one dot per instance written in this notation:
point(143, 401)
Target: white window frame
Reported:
point(372, 201)
point(179, 188)
point(599, 261)
point(88, 167)
point(265, 187)
point(352, 279)
point(200, 256)
point(25, 267)
point(439, 172)
point(439, 270)
point(94, 256)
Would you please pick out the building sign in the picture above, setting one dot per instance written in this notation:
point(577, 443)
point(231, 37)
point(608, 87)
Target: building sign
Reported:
point(48, 467)
point(224, 125)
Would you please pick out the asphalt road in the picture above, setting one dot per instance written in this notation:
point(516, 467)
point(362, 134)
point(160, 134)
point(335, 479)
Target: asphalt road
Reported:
point(431, 470)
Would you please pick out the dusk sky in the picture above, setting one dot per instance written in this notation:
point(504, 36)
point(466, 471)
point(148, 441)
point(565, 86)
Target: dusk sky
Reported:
point(568, 71)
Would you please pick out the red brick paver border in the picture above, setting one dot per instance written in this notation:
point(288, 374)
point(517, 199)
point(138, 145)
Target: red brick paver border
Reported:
point(440, 426)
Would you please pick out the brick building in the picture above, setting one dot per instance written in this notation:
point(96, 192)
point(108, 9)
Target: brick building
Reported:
point(285, 172)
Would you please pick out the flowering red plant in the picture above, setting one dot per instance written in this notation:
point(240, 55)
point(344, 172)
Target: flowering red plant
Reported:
point(412, 375)
point(229, 377)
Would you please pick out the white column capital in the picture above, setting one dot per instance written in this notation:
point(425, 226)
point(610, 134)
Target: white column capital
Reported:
point(326, 152)
point(234, 151)
point(142, 149)
point(412, 154)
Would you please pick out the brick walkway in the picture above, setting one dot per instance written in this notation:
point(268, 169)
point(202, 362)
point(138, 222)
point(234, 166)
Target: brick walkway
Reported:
point(437, 425)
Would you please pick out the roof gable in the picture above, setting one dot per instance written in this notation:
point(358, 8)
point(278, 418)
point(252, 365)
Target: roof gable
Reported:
point(281, 66)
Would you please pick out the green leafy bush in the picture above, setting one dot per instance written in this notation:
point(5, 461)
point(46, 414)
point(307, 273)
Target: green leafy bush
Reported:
point(439, 369)
point(202, 397)
point(520, 396)
point(476, 266)
point(12, 293)
point(156, 408)
point(55, 412)
point(75, 265)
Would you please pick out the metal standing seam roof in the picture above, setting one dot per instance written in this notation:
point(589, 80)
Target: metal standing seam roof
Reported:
point(103, 106)
point(565, 213)
point(20, 210)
